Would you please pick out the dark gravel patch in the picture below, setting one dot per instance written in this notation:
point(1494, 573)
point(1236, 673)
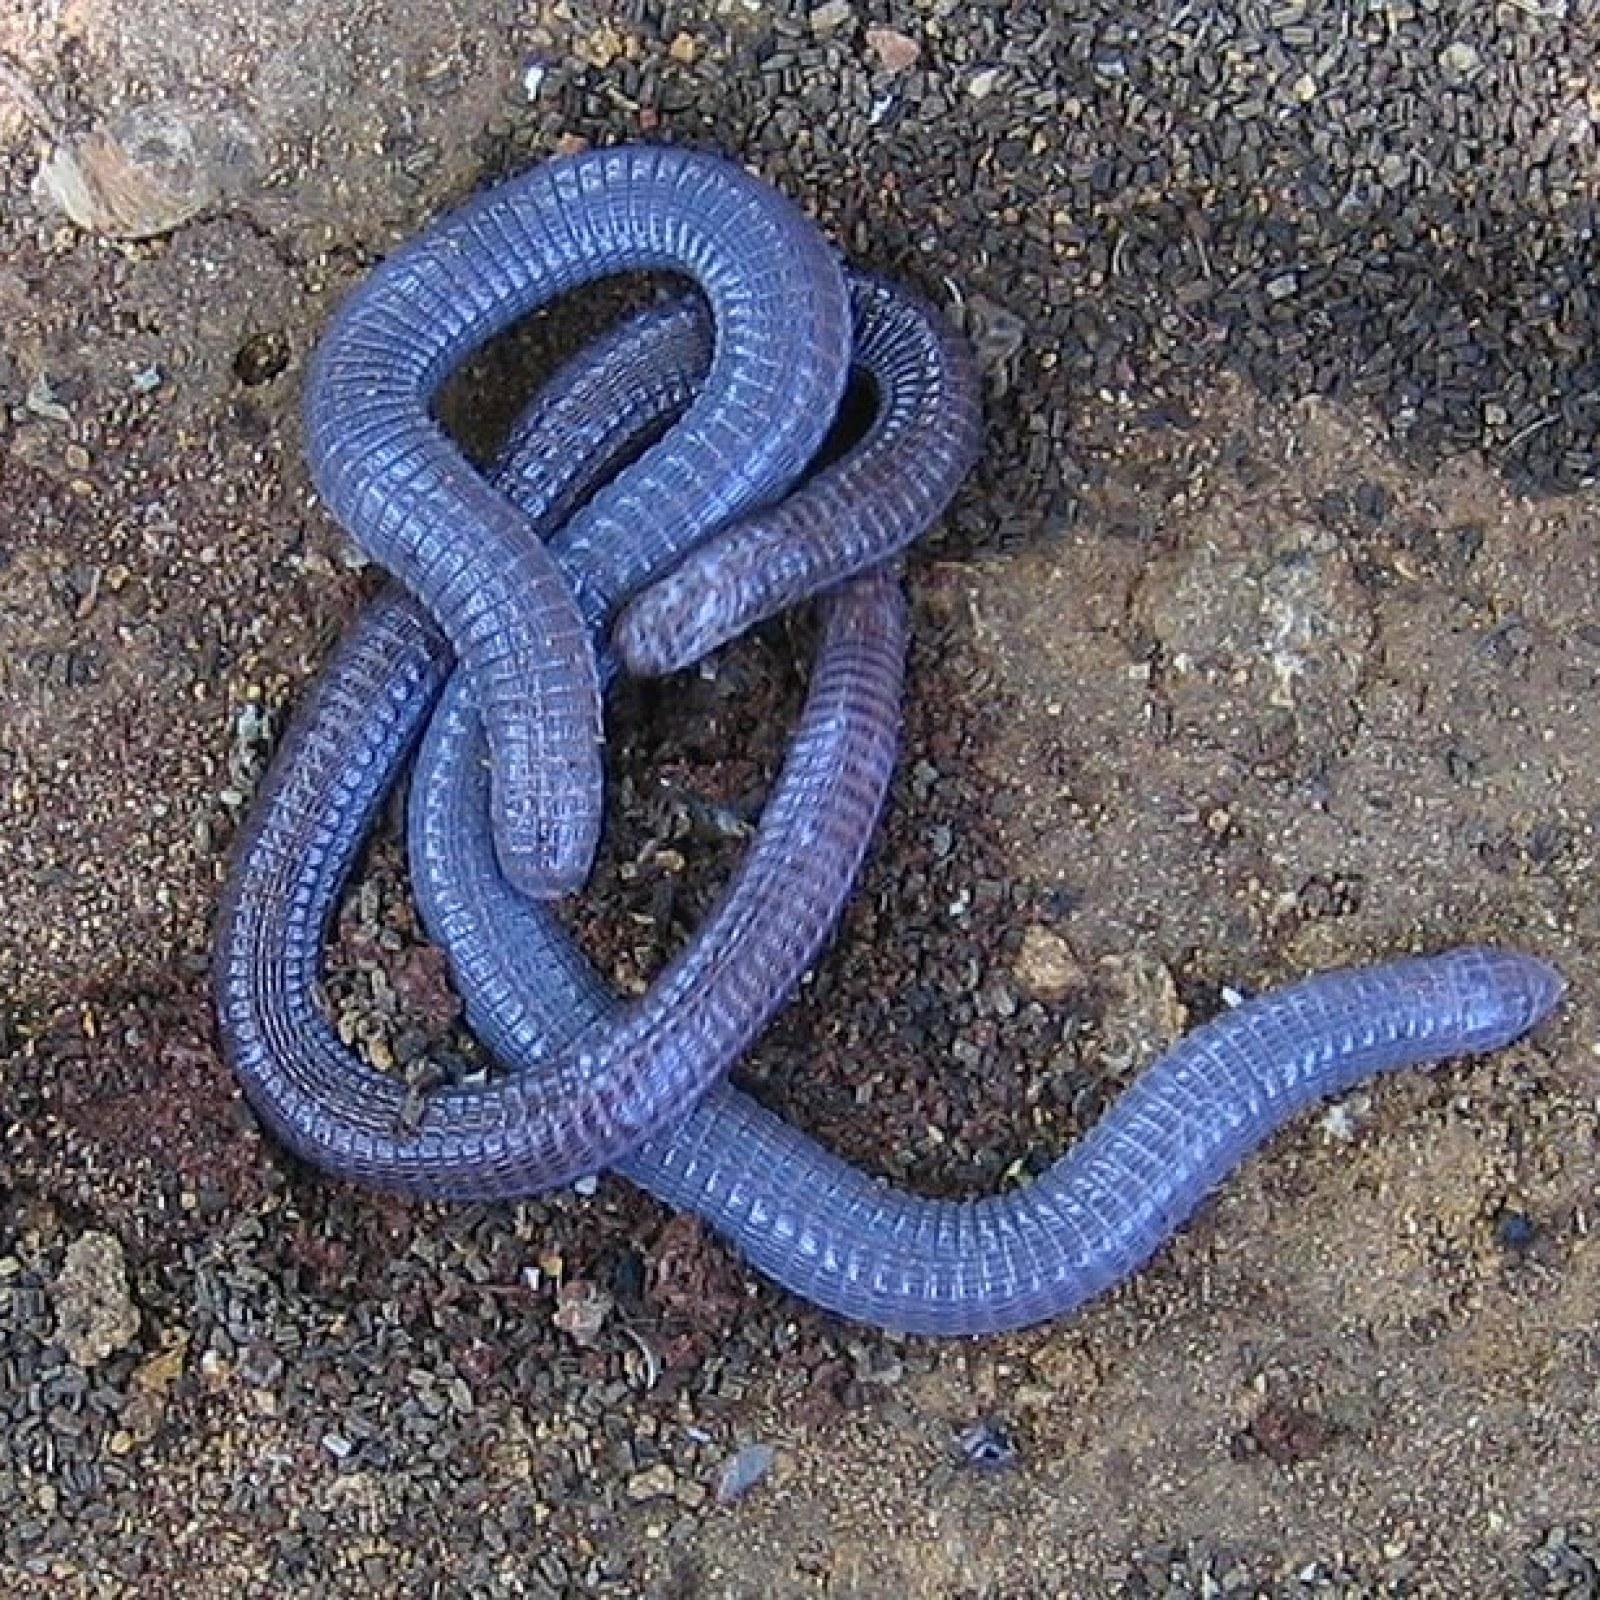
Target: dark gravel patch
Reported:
point(1390, 205)
point(334, 1393)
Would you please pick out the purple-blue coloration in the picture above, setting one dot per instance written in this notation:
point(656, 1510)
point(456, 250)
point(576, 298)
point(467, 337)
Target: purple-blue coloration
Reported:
point(804, 1216)
point(840, 523)
point(853, 1244)
point(588, 1082)
point(618, 1081)
point(779, 304)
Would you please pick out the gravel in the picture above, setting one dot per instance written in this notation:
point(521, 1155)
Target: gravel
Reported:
point(95, 1313)
point(744, 1471)
point(213, 1363)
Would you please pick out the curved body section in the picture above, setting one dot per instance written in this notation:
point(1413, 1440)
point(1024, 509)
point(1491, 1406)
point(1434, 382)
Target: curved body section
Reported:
point(778, 303)
point(923, 440)
point(859, 1247)
point(845, 1241)
point(638, 455)
point(336, 763)
point(616, 1084)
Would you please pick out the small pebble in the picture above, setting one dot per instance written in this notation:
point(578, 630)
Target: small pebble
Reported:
point(832, 16)
point(1514, 1230)
point(95, 1311)
point(149, 169)
point(744, 1472)
point(653, 1483)
point(987, 1447)
point(1045, 966)
point(41, 401)
point(581, 1310)
point(896, 51)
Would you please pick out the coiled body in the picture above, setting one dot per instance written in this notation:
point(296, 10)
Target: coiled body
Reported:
point(880, 1255)
point(620, 1081)
point(819, 1227)
point(591, 1084)
point(522, 628)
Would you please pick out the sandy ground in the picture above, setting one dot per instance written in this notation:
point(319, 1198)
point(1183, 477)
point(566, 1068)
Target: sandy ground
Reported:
point(1264, 683)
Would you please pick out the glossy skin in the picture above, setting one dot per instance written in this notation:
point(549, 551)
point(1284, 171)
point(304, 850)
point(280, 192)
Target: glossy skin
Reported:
point(841, 523)
point(519, 614)
point(615, 1083)
point(814, 1224)
point(623, 1080)
point(880, 1255)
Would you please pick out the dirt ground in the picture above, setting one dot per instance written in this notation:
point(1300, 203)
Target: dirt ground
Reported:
point(1224, 672)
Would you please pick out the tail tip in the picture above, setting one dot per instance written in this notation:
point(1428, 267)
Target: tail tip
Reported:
point(1514, 992)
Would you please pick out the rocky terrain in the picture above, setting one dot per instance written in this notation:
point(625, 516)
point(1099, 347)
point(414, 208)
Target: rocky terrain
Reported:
point(1264, 639)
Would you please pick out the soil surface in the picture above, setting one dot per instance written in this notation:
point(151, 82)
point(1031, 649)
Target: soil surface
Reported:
point(1265, 639)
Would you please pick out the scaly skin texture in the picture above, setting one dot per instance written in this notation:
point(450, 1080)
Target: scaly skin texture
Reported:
point(624, 1079)
point(619, 1081)
point(841, 523)
point(861, 1248)
point(813, 1223)
point(779, 304)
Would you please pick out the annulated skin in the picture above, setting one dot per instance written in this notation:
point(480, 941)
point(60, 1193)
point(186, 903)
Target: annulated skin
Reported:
point(621, 1080)
point(821, 1228)
point(879, 1255)
point(779, 303)
point(624, 1079)
point(841, 523)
